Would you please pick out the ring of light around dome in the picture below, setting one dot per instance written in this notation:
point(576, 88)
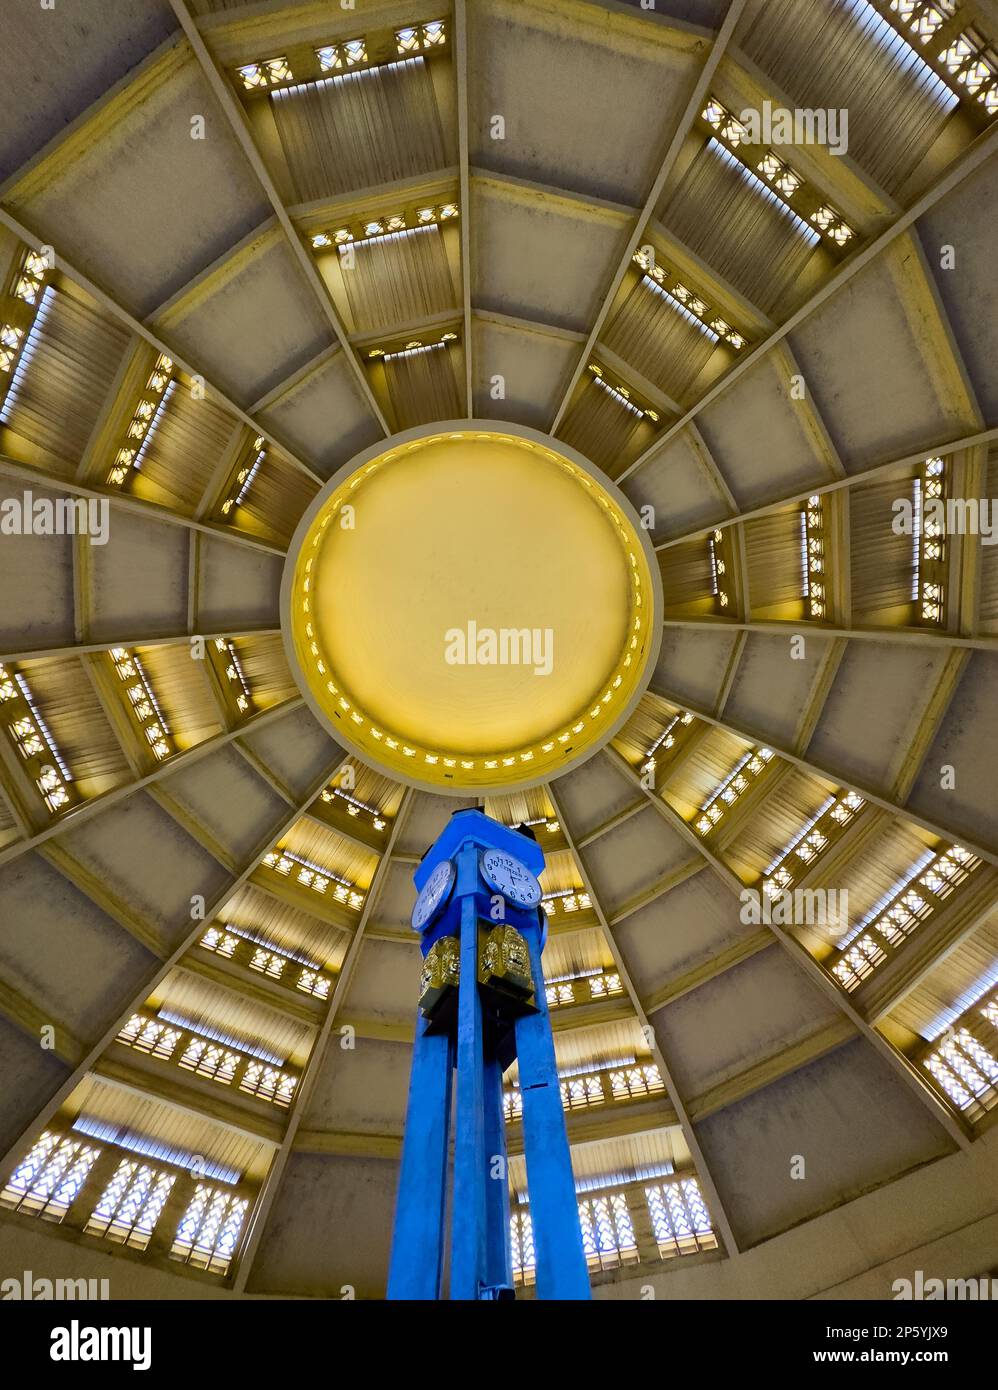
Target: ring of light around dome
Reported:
point(471, 606)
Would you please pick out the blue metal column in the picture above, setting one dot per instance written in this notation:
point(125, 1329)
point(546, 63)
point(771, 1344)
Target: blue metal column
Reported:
point(468, 1215)
point(561, 1262)
point(498, 1260)
point(416, 1269)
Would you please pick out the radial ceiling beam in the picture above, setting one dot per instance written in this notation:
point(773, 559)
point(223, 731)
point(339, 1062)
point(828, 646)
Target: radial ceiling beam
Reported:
point(710, 969)
point(813, 705)
point(714, 1202)
point(951, 1123)
point(982, 148)
point(926, 722)
point(303, 1091)
point(689, 115)
point(944, 354)
point(461, 75)
point(905, 636)
point(191, 933)
point(827, 775)
point(170, 640)
point(771, 1068)
point(236, 118)
point(152, 511)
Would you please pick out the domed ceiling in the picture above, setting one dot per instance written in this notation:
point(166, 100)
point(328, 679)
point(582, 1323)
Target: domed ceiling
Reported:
point(246, 249)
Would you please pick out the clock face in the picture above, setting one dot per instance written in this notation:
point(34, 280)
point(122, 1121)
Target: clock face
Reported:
point(512, 879)
point(434, 894)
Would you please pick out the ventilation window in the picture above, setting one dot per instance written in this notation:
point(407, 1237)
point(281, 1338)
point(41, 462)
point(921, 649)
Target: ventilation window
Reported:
point(551, 826)
point(679, 1218)
point(312, 982)
point(737, 781)
point(512, 1103)
point(620, 394)
point(577, 989)
point(773, 177)
point(31, 737)
point(603, 985)
point(142, 703)
point(209, 1060)
point(665, 739)
point(929, 542)
point(629, 1083)
point(131, 1204)
point(812, 527)
point(407, 222)
point(267, 963)
point(965, 1066)
point(971, 65)
point(313, 876)
point(581, 1092)
point(215, 1058)
point(208, 1235)
point(917, 900)
point(419, 38)
point(243, 480)
point(968, 62)
point(718, 553)
point(47, 1181)
point(521, 1242)
point(780, 175)
point(145, 421)
point(146, 1035)
point(19, 330)
point(684, 301)
point(269, 72)
point(232, 944)
point(566, 900)
point(803, 852)
point(607, 1231)
point(336, 57)
point(223, 943)
point(354, 806)
point(231, 668)
point(267, 1083)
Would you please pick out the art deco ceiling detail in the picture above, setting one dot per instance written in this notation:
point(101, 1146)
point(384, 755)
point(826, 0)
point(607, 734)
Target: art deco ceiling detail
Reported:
point(242, 246)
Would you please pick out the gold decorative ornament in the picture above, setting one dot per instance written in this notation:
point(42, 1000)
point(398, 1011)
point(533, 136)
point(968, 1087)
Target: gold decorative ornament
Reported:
point(504, 964)
point(440, 975)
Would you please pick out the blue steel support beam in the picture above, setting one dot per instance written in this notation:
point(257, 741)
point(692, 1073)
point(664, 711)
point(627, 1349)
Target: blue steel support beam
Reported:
point(468, 1220)
point(417, 1262)
point(498, 1259)
point(562, 1272)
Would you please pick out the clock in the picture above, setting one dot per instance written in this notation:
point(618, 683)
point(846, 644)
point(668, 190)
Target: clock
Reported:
point(435, 893)
point(508, 876)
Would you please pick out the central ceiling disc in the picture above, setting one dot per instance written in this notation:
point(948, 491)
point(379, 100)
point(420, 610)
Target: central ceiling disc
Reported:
point(471, 606)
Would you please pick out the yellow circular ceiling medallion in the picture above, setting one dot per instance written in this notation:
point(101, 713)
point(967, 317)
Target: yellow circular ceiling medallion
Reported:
point(471, 606)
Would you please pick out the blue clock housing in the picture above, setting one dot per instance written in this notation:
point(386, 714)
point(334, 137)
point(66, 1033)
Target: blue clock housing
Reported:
point(474, 828)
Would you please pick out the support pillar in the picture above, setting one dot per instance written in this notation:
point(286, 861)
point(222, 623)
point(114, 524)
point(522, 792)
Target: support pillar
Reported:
point(417, 1261)
point(554, 1211)
point(468, 1242)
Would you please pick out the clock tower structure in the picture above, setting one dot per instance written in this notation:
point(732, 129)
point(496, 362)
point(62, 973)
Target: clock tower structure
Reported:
point(482, 1006)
